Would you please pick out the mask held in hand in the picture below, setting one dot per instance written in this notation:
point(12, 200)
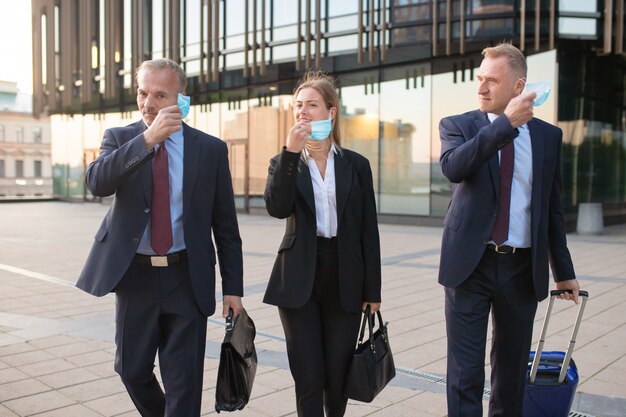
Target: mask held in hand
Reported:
point(542, 88)
point(320, 129)
point(183, 104)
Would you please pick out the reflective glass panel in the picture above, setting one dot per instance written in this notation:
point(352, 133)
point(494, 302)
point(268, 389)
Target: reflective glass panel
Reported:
point(359, 116)
point(405, 145)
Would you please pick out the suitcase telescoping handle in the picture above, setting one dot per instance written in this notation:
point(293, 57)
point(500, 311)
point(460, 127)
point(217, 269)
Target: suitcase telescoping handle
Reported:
point(568, 355)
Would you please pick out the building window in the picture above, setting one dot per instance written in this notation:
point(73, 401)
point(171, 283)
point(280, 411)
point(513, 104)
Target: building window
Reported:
point(37, 135)
point(19, 168)
point(38, 169)
point(19, 134)
point(1, 133)
point(2, 168)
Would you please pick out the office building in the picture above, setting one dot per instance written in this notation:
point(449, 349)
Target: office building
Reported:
point(402, 65)
point(25, 167)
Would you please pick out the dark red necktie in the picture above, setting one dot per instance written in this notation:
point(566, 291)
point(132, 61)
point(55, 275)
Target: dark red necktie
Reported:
point(161, 238)
point(500, 232)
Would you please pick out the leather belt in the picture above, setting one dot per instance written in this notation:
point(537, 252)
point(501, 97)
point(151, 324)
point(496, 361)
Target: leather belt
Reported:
point(505, 250)
point(161, 261)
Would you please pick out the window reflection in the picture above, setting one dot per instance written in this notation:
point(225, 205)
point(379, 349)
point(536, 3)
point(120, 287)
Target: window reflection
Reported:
point(405, 143)
point(360, 119)
point(191, 40)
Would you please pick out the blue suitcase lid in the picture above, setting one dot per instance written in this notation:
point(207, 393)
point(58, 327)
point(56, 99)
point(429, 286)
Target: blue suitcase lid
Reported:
point(550, 367)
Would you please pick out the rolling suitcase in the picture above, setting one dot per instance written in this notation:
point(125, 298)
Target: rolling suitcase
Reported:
point(552, 376)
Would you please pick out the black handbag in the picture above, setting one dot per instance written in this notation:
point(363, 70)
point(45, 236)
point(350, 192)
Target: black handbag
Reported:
point(372, 364)
point(238, 363)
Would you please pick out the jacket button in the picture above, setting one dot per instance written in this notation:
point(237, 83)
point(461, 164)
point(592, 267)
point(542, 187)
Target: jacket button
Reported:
point(135, 240)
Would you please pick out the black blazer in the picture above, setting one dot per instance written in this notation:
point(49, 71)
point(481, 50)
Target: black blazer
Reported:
point(123, 168)
point(289, 194)
point(469, 158)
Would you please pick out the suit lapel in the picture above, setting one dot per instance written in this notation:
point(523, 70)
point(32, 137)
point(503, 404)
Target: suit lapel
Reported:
point(191, 157)
point(305, 185)
point(481, 120)
point(343, 183)
point(537, 142)
point(145, 172)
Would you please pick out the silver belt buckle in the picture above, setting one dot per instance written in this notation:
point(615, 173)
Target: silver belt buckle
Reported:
point(158, 261)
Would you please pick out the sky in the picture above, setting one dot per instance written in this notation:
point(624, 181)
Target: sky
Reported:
point(16, 43)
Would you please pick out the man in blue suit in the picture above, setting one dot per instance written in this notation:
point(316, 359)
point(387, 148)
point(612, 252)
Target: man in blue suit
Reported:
point(503, 226)
point(154, 247)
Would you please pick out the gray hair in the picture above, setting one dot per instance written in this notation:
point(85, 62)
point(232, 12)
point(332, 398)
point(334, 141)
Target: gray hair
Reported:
point(161, 64)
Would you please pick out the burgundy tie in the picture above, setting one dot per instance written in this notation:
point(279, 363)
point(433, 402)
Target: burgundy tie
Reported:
point(500, 232)
point(161, 240)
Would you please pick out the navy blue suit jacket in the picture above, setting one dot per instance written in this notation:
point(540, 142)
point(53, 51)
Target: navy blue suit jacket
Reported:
point(469, 159)
point(124, 168)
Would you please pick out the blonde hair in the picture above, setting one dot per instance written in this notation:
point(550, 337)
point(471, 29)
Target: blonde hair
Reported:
point(161, 64)
point(325, 85)
point(515, 57)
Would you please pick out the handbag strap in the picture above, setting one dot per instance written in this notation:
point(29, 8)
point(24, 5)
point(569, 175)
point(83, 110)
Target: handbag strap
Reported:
point(369, 319)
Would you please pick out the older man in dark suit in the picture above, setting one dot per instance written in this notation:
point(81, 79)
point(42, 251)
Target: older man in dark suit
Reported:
point(503, 224)
point(172, 189)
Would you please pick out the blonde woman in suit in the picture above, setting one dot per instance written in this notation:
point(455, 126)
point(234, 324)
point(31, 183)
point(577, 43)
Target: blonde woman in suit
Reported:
point(328, 265)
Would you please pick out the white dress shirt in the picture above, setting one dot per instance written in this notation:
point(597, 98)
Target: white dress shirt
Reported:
point(324, 194)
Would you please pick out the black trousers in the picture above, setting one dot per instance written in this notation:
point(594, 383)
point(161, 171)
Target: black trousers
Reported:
point(320, 340)
point(156, 312)
point(503, 285)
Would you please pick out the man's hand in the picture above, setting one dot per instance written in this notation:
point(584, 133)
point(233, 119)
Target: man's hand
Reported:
point(570, 284)
point(167, 121)
point(520, 109)
point(234, 302)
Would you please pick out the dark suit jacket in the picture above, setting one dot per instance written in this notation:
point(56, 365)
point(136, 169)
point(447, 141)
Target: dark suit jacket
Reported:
point(469, 158)
point(124, 169)
point(289, 194)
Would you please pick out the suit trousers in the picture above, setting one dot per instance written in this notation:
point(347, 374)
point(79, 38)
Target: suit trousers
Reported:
point(321, 337)
point(156, 311)
point(503, 285)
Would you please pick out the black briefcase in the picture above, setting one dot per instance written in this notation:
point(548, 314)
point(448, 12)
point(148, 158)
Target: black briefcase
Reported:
point(238, 363)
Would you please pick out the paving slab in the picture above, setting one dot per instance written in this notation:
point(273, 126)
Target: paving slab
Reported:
point(57, 343)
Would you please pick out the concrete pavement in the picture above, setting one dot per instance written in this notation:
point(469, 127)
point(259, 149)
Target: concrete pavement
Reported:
point(56, 343)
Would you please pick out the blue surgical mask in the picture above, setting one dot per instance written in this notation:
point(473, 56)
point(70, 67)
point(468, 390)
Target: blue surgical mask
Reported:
point(542, 88)
point(183, 104)
point(320, 129)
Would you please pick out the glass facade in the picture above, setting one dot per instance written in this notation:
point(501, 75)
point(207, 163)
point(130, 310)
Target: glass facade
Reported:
point(401, 66)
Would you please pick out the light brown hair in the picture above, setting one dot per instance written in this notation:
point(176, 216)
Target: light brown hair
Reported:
point(515, 57)
point(325, 85)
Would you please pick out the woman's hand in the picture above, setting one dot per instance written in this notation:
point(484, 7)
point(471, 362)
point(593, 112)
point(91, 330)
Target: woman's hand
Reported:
point(297, 137)
point(374, 307)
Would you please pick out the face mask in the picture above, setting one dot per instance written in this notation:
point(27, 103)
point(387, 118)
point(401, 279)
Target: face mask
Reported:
point(542, 88)
point(320, 129)
point(183, 104)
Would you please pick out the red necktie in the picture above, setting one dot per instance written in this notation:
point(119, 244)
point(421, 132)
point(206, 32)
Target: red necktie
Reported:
point(161, 239)
point(500, 232)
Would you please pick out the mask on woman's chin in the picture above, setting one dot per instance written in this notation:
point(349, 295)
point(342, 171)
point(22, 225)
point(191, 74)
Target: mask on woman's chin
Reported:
point(320, 129)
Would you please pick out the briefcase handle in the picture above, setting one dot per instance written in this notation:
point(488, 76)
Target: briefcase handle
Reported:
point(230, 323)
point(568, 354)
